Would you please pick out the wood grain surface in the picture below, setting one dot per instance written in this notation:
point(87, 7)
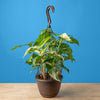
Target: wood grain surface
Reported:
point(68, 91)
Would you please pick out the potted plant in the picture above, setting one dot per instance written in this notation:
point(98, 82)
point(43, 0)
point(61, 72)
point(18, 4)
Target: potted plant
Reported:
point(47, 55)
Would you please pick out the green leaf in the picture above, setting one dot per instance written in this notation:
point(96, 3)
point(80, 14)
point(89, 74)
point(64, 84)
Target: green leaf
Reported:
point(65, 68)
point(41, 37)
point(45, 31)
point(60, 56)
point(34, 55)
point(44, 41)
point(48, 68)
point(29, 44)
point(74, 41)
point(37, 60)
point(71, 57)
point(34, 60)
point(16, 47)
point(65, 50)
point(49, 60)
point(56, 34)
point(33, 66)
point(43, 50)
point(66, 58)
point(64, 45)
point(52, 44)
point(29, 61)
point(54, 74)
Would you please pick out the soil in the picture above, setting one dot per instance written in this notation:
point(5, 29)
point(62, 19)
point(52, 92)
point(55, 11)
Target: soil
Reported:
point(48, 77)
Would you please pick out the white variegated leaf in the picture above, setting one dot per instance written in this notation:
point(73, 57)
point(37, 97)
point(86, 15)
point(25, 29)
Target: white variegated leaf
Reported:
point(66, 37)
point(34, 47)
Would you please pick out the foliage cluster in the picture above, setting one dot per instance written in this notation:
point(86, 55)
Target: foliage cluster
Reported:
point(49, 52)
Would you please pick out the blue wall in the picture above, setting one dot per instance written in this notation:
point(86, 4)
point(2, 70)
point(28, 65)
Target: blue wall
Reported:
point(21, 22)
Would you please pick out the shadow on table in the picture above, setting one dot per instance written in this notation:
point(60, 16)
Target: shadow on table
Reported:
point(72, 92)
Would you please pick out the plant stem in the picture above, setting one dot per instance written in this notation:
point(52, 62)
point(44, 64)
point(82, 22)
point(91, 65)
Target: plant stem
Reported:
point(43, 72)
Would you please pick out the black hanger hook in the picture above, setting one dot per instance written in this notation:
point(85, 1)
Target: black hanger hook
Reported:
point(48, 15)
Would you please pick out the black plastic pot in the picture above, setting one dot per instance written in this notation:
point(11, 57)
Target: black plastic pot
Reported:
point(48, 88)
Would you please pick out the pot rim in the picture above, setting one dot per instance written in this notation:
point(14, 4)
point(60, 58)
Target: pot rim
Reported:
point(45, 80)
point(42, 80)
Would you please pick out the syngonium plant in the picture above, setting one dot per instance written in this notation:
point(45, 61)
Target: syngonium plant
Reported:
point(49, 52)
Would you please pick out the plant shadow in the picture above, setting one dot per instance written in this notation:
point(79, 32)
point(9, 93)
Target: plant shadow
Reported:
point(72, 92)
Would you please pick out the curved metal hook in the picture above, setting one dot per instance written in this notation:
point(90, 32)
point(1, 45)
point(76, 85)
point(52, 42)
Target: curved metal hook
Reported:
point(48, 15)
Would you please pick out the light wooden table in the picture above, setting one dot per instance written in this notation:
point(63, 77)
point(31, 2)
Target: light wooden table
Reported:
point(68, 91)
